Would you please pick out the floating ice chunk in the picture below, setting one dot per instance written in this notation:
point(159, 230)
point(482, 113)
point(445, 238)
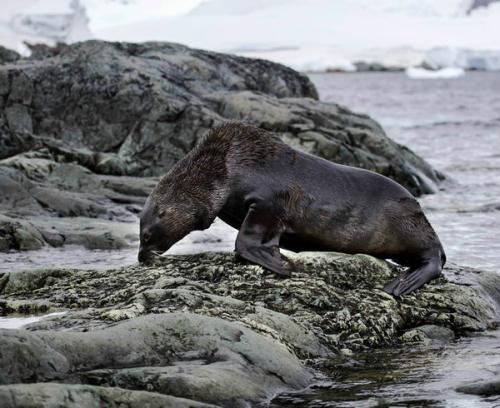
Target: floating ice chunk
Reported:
point(422, 73)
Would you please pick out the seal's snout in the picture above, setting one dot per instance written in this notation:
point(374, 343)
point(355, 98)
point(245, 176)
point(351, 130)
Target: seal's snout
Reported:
point(145, 256)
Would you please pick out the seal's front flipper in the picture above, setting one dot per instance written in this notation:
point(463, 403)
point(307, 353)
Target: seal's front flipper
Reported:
point(258, 239)
point(269, 258)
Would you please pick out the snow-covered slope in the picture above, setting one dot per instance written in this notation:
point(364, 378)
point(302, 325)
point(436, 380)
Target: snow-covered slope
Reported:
point(422, 8)
point(52, 21)
point(42, 21)
point(305, 34)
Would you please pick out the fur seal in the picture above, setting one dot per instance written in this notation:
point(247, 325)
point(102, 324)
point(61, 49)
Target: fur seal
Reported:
point(280, 197)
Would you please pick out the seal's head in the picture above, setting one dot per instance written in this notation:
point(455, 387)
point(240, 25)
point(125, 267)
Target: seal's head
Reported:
point(165, 222)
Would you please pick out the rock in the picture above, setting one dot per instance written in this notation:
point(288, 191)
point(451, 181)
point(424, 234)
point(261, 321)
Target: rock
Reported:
point(7, 55)
point(146, 105)
point(476, 4)
point(24, 306)
point(428, 334)
point(333, 301)
point(90, 233)
point(16, 198)
point(53, 395)
point(30, 280)
point(33, 165)
point(486, 388)
point(66, 204)
point(19, 235)
point(363, 66)
point(216, 329)
point(207, 358)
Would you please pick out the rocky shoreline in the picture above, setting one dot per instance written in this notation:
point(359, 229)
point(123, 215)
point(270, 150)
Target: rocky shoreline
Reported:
point(214, 329)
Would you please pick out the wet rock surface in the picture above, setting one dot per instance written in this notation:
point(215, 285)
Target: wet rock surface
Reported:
point(214, 329)
point(44, 203)
point(179, 354)
point(485, 388)
point(78, 396)
point(85, 131)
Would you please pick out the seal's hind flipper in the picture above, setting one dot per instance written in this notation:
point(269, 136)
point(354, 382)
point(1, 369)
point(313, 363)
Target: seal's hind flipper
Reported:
point(389, 287)
point(416, 277)
point(258, 239)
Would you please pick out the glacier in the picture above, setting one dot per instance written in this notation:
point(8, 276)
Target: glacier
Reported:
point(308, 35)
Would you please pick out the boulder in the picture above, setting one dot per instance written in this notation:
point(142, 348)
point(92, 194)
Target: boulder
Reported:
point(19, 235)
point(53, 395)
point(485, 388)
point(179, 354)
point(138, 108)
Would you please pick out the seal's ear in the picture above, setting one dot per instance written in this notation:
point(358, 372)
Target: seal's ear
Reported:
point(161, 214)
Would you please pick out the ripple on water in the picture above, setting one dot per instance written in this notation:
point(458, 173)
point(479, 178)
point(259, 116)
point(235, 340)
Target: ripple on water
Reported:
point(418, 377)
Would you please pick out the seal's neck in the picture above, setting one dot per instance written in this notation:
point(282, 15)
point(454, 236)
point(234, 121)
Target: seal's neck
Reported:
point(200, 179)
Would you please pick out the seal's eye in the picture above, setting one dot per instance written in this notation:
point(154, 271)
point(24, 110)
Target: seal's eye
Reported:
point(146, 236)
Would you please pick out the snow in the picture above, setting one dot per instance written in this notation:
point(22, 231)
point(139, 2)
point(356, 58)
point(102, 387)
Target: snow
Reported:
point(312, 35)
point(422, 73)
point(42, 21)
point(108, 13)
point(323, 24)
point(463, 58)
point(442, 8)
point(308, 35)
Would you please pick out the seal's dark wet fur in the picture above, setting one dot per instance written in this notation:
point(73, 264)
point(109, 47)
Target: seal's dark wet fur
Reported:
point(279, 197)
